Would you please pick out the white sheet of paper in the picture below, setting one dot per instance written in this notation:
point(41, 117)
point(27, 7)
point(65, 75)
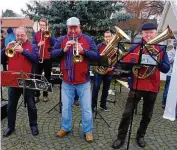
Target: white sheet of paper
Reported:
point(147, 59)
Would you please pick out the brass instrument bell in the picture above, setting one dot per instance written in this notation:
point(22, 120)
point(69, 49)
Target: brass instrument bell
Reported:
point(10, 51)
point(166, 34)
point(76, 56)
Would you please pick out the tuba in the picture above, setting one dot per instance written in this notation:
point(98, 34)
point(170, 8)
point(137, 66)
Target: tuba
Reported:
point(110, 50)
point(10, 51)
point(149, 70)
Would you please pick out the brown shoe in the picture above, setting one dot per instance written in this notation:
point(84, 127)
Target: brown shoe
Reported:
point(61, 133)
point(89, 138)
point(37, 100)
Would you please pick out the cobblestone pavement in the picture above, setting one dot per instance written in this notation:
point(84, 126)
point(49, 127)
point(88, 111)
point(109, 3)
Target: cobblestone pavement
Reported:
point(161, 134)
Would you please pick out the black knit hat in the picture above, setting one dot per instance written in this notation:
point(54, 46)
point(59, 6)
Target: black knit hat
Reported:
point(10, 30)
point(149, 26)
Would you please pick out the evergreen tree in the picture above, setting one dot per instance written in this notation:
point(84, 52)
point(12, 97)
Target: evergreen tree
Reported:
point(9, 13)
point(95, 16)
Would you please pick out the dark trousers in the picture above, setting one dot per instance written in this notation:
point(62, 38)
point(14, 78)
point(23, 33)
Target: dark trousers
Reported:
point(46, 66)
point(13, 97)
point(4, 64)
point(165, 93)
point(148, 106)
point(97, 80)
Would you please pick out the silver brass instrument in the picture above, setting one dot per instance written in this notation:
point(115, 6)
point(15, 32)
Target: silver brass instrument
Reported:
point(161, 37)
point(10, 51)
point(110, 50)
point(76, 56)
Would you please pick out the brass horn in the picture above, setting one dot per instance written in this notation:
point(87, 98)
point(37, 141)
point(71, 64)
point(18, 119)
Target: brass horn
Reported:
point(149, 70)
point(76, 56)
point(47, 33)
point(10, 51)
point(110, 50)
point(41, 50)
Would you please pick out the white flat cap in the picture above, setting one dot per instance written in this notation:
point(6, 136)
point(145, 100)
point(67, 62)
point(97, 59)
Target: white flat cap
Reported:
point(73, 21)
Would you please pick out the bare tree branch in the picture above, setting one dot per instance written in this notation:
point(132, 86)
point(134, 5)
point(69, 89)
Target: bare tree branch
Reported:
point(144, 10)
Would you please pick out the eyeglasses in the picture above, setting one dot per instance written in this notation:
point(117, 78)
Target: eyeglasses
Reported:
point(20, 35)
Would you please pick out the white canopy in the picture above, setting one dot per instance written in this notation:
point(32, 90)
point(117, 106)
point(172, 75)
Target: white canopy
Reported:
point(169, 17)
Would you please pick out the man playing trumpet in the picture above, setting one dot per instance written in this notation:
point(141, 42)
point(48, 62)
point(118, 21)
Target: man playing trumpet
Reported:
point(75, 75)
point(142, 86)
point(22, 57)
point(45, 42)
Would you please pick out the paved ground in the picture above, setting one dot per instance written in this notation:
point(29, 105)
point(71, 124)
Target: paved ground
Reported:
point(161, 134)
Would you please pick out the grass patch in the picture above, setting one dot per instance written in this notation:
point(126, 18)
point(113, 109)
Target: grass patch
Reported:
point(162, 84)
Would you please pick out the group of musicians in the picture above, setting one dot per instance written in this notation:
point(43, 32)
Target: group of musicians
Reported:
point(75, 50)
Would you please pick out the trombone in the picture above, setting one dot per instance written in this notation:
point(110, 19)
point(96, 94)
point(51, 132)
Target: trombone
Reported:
point(10, 51)
point(47, 34)
point(40, 47)
point(76, 57)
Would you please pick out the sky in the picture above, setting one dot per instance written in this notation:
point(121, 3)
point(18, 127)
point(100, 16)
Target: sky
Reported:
point(15, 5)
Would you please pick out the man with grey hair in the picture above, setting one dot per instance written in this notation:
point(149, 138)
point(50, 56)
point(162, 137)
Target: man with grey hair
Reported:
point(146, 87)
point(25, 58)
point(76, 75)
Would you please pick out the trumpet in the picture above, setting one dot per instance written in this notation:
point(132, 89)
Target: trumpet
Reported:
point(10, 51)
point(76, 57)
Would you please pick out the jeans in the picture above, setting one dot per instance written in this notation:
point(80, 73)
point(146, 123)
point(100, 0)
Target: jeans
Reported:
point(13, 97)
point(165, 93)
point(84, 93)
point(96, 87)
